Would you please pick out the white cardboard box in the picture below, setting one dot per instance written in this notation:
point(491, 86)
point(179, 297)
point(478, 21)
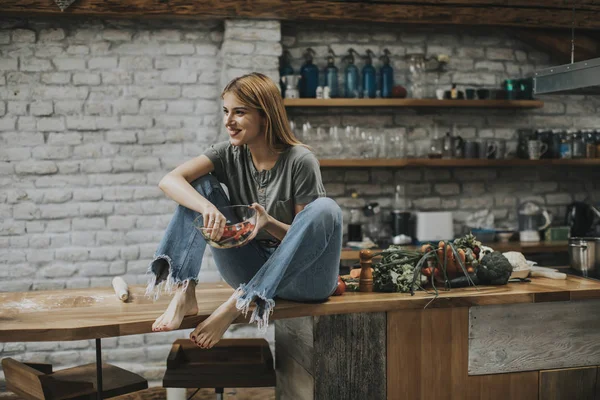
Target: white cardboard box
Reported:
point(434, 226)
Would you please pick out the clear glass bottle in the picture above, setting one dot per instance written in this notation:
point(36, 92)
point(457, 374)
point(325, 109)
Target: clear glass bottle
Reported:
point(331, 75)
point(386, 75)
point(369, 77)
point(351, 76)
point(310, 76)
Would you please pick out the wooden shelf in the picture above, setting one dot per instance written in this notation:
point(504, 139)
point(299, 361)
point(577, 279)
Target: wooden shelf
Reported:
point(414, 103)
point(525, 248)
point(458, 162)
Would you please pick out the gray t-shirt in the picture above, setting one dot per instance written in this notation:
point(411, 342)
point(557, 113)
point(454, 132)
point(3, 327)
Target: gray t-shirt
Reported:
point(294, 179)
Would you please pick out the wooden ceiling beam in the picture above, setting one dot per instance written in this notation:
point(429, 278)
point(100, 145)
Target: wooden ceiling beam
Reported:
point(461, 12)
point(560, 4)
point(558, 44)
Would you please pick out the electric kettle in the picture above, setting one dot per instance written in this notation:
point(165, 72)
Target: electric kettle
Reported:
point(532, 219)
point(580, 218)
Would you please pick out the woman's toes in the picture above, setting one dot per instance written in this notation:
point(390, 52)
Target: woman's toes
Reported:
point(203, 341)
point(156, 323)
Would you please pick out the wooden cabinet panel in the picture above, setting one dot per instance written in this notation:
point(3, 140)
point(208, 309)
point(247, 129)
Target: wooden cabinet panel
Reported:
point(428, 359)
point(568, 384)
point(559, 335)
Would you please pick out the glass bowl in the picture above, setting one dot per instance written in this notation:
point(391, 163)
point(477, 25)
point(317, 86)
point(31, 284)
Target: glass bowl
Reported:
point(241, 221)
point(504, 236)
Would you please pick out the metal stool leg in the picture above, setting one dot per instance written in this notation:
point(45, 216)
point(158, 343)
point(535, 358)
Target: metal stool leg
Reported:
point(219, 393)
point(99, 368)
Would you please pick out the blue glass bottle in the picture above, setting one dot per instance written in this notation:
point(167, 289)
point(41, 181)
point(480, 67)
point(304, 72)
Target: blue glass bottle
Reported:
point(369, 77)
point(386, 75)
point(284, 69)
point(331, 75)
point(309, 76)
point(350, 76)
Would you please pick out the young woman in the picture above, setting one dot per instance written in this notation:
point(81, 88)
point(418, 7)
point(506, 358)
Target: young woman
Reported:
point(298, 236)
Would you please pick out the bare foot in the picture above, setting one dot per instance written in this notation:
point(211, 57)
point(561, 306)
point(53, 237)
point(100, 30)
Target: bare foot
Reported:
point(211, 330)
point(182, 304)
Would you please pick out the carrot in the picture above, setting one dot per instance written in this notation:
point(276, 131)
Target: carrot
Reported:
point(426, 271)
point(450, 262)
point(463, 259)
point(470, 269)
point(355, 273)
point(440, 253)
point(426, 248)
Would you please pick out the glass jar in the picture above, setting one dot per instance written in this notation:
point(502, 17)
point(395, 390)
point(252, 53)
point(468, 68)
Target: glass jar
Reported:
point(545, 136)
point(578, 146)
point(509, 87)
point(555, 142)
point(590, 144)
point(355, 226)
point(416, 67)
point(566, 145)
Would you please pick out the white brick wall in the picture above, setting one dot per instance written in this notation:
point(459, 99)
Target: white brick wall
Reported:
point(92, 115)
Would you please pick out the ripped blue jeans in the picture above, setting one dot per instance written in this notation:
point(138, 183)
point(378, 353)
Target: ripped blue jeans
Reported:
point(303, 268)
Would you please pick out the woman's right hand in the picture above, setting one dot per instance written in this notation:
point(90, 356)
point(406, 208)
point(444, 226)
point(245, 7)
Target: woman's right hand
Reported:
point(213, 219)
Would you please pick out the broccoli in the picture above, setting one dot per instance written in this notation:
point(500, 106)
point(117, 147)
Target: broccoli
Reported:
point(494, 269)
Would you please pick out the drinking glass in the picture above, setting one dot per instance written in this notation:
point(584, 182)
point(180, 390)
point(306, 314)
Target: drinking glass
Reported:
point(352, 142)
point(336, 146)
point(397, 147)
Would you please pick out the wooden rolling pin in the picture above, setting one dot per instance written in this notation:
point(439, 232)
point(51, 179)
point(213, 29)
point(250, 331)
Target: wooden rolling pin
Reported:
point(121, 288)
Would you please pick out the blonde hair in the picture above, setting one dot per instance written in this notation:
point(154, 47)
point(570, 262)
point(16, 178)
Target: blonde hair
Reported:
point(258, 91)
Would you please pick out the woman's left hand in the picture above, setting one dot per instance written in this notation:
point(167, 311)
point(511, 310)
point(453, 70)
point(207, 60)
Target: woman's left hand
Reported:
point(262, 219)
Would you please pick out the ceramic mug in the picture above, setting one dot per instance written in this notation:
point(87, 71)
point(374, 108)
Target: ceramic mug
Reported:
point(535, 149)
point(471, 149)
point(500, 149)
point(488, 150)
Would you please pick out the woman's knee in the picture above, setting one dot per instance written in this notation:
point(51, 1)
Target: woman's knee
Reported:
point(325, 208)
point(205, 184)
point(211, 189)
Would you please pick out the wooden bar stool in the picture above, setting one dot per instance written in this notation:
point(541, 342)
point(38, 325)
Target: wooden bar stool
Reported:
point(38, 382)
point(232, 363)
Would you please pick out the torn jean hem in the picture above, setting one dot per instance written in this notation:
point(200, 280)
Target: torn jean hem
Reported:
point(262, 311)
point(157, 283)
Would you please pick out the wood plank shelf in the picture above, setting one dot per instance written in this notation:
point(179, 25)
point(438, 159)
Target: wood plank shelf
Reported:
point(413, 103)
point(525, 248)
point(458, 162)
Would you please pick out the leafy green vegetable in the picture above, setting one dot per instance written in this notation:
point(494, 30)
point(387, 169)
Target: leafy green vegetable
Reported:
point(396, 278)
point(395, 271)
point(495, 269)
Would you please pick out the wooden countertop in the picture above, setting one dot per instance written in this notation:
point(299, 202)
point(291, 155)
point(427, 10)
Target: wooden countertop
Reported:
point(77, 314)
